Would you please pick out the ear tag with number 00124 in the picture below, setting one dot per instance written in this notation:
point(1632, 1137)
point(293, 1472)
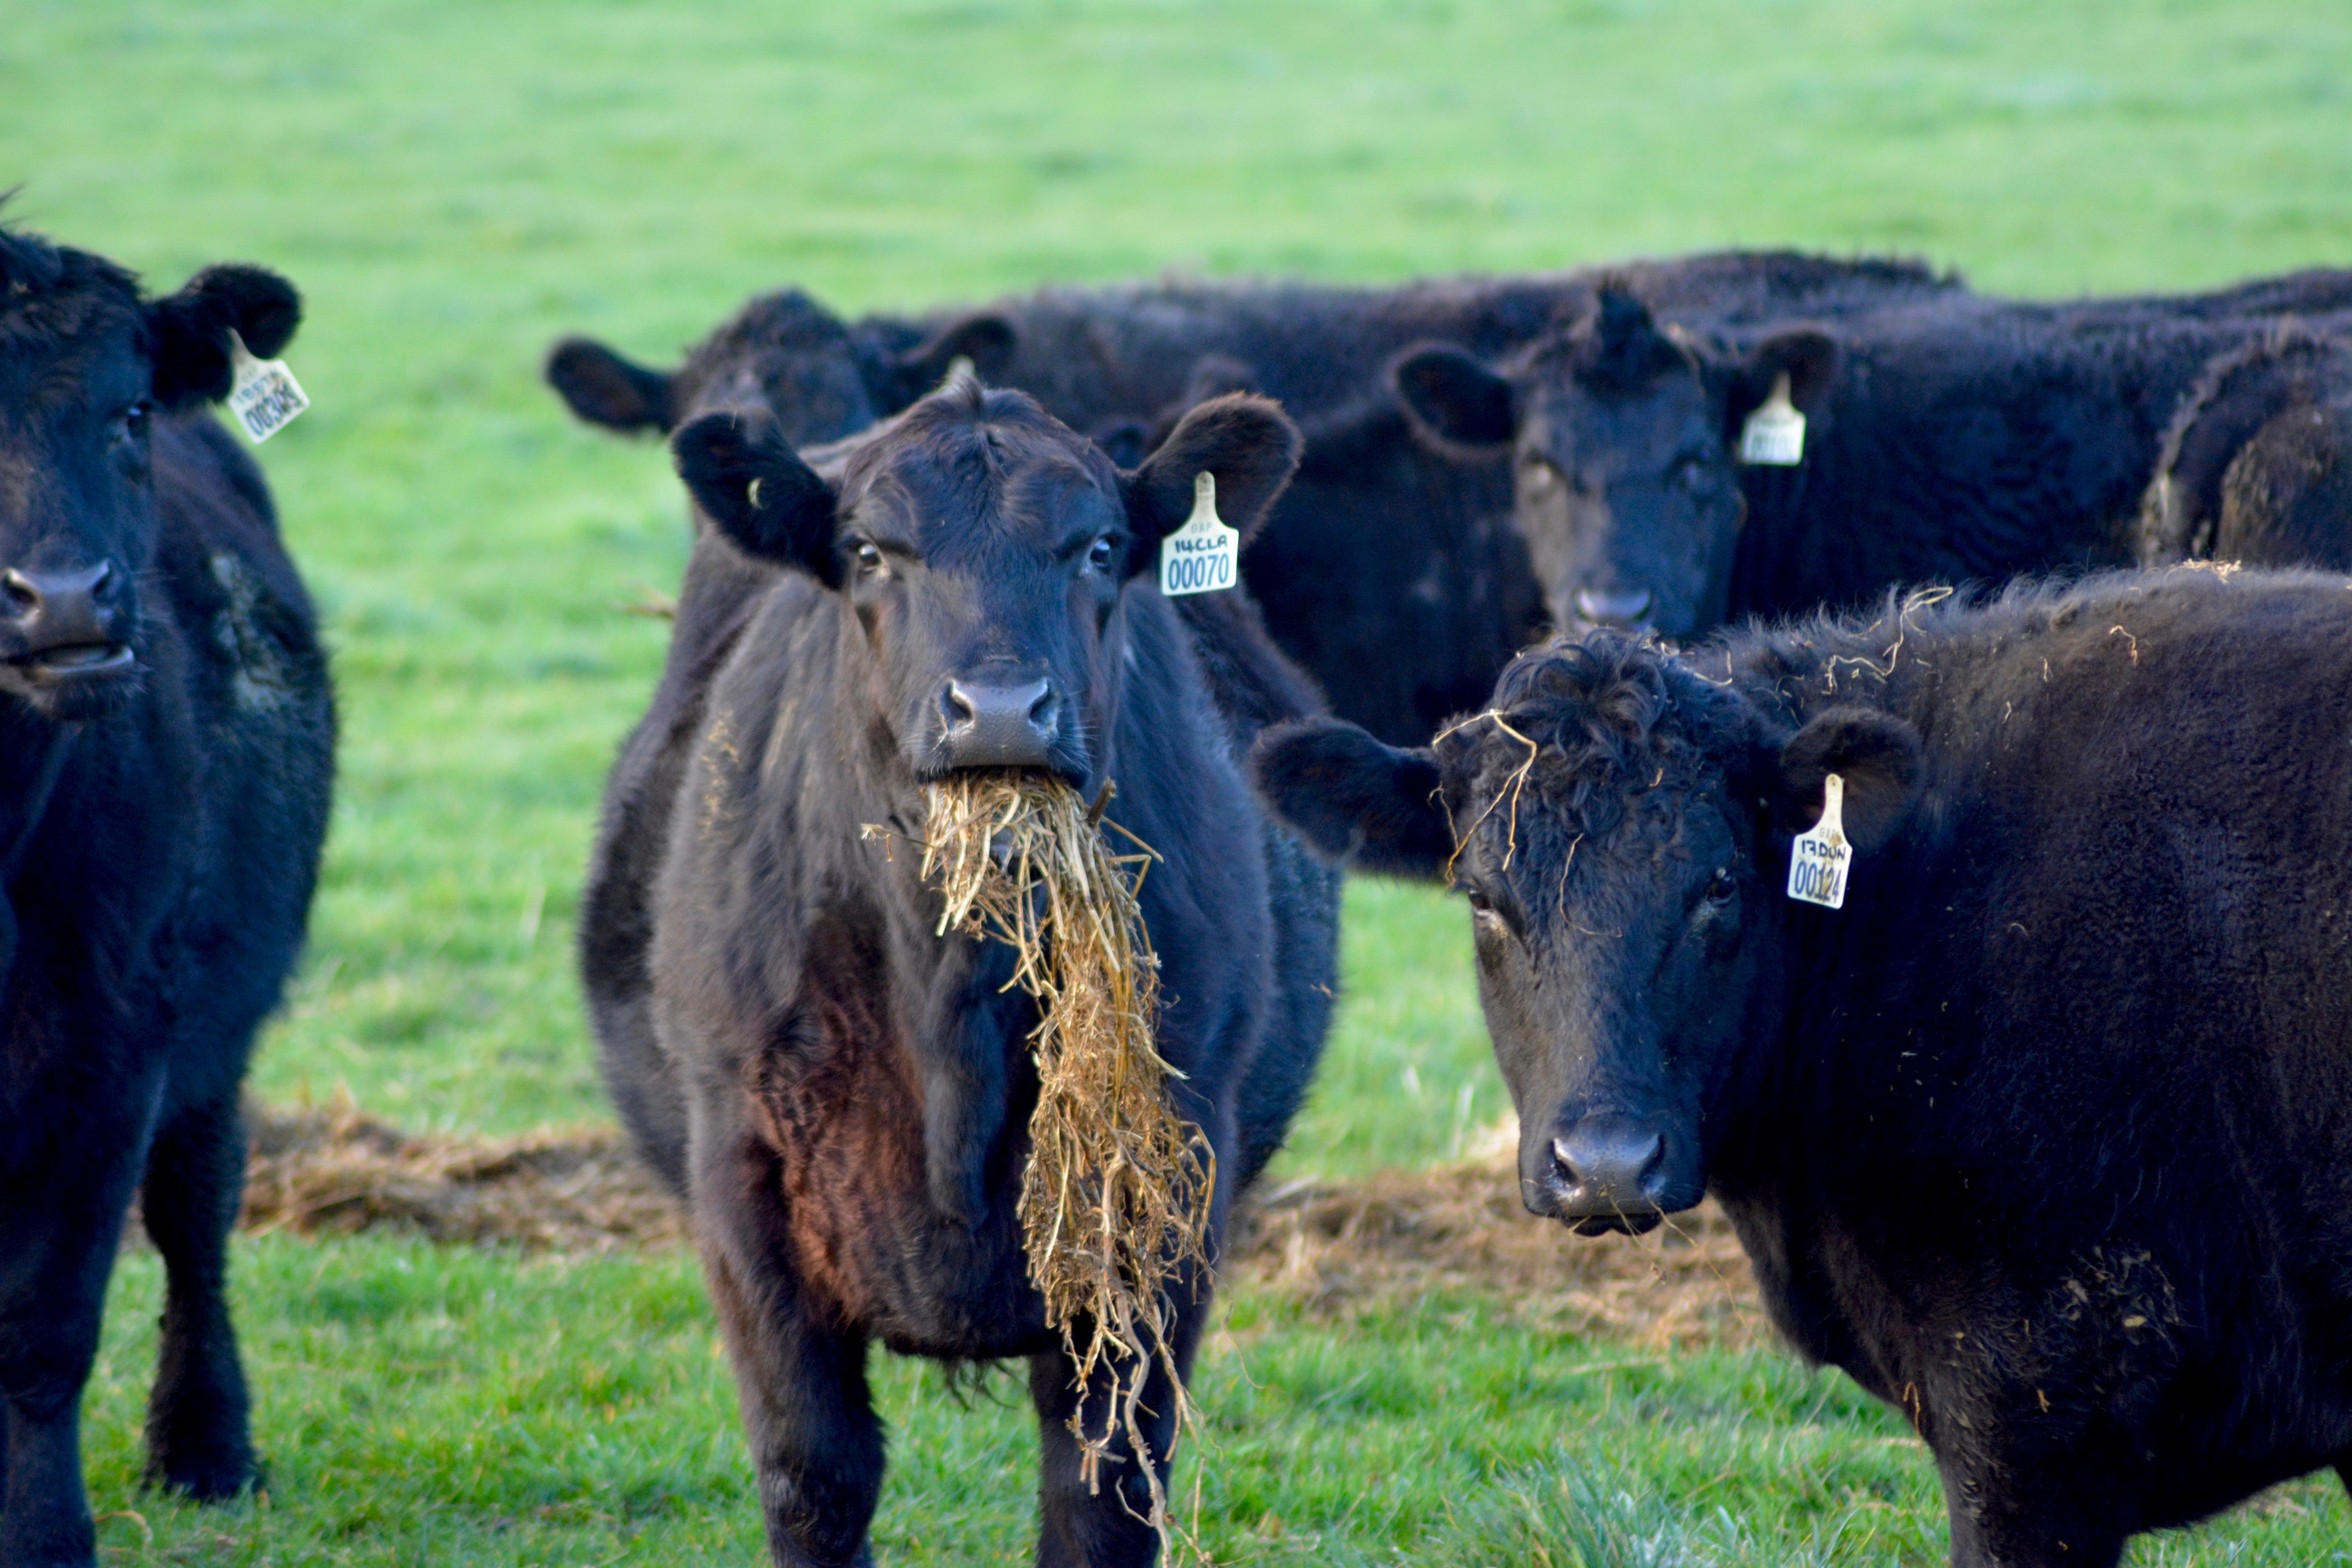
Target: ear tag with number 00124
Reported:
point(263, 394)
point(1820, 857)
point(1203, 554)
point(1775, 433)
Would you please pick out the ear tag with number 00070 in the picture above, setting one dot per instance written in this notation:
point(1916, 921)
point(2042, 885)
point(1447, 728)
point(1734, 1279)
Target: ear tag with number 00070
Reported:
point(264, 395)
point(1820, 857)
point(1203, 554)
point(1775, 433)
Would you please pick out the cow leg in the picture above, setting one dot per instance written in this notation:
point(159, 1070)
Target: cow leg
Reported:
point(197, 1441)
point(814, 1439)
point(60, 1225)
point(1106, 1524)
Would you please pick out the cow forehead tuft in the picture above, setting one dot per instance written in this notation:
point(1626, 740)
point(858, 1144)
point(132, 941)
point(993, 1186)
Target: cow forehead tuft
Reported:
point(51, 295)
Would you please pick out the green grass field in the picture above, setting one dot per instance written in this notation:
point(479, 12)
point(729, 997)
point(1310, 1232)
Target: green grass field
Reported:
point(452, 186)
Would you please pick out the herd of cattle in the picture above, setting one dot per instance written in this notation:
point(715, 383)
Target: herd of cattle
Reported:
point(2035, 1117)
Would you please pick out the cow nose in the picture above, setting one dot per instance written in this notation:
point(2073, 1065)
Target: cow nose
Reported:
point(59, 609)
point(1001, 726)
point(1611, 1166)
point(1605, 609)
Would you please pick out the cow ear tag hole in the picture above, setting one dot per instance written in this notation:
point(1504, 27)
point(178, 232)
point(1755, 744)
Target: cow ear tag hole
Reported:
point(1775, 433)
point(1820, 857)
point(1203, 555)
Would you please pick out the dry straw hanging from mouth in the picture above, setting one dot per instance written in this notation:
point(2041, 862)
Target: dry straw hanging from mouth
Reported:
point(1115, 1199)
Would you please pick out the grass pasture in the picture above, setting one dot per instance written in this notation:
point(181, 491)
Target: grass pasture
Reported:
point(454, 187)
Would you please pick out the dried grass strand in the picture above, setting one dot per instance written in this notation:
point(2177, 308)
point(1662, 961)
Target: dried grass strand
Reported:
point(1116, 1194)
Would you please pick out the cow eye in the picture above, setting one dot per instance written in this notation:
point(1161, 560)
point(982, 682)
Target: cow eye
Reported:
point(868, 558)
point(1720, 887)
point(1543, 476)
point(134, 419)
point(1098, 557)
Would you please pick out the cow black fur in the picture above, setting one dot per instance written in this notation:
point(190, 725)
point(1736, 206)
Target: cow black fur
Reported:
point(1390, 573)
point(2257, 465)
point(2045, 1137)
point(840, 1093)
point(165, 775)
point(1951, 440)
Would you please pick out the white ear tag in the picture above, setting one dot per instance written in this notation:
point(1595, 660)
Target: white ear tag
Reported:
point(265, 396)
point(1820, 857)
point(1203, 554)
point(1775, 433)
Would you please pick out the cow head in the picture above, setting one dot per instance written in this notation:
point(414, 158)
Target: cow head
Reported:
point(2270, 404)
point(820, 376)
point(86, 367)
point(1624, 438)
point(987, 552)
point(1622, 828)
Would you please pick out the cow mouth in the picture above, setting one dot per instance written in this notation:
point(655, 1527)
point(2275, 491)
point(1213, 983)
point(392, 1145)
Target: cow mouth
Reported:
point(1641, 1222)
point(71, 663)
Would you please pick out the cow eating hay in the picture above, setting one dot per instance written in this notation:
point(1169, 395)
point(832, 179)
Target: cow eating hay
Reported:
point(1115, 1197)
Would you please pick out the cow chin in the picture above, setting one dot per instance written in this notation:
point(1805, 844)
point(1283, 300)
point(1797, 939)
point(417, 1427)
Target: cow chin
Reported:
point(74, 694)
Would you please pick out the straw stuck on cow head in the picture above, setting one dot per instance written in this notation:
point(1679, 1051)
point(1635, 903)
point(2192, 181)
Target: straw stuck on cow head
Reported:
point(1115, 1199)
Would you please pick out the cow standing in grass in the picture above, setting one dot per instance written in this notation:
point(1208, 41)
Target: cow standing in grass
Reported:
point(1392, 573)
point(2045, 1136)
point(1955, 438)
point(841, 1092)
point(169, 739)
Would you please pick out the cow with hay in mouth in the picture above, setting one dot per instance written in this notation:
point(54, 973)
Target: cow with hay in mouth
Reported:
point(1987, 961)
point(970, 983)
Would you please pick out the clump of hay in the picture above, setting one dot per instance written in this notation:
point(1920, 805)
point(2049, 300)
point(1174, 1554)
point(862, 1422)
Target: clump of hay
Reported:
point(1115, 1199)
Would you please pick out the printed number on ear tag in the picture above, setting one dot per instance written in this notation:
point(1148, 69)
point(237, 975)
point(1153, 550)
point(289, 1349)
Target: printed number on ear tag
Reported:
point(1205, 554)
point(1775, 433)
point(264, 396)
point(1820, 857)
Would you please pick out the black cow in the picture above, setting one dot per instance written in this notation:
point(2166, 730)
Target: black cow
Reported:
point(1392, 574)
point(2045, 1136)
point(840, 1093)
point(1953, 439)
point(163, 786)
point(2257, 467)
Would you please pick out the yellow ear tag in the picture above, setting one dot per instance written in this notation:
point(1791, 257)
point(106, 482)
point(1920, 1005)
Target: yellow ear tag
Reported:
point(1820, 857)
point(1775, 433)
point(1203, 555)
point(262, 394)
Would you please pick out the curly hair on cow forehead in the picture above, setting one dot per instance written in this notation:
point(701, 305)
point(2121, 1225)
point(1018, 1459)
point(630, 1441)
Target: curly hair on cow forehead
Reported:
point(1577, 729)
point(968, 423)
point(48, 292)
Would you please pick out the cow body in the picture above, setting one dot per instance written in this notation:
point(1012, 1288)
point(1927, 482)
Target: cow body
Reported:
point(2043, 1136)
point(840, 1092)
point(2257, 465)
point(1953, 439)
point(162, 801)
point(1392, 573)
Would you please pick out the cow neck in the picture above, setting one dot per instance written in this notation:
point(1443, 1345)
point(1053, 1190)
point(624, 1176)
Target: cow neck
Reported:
point(33, 755)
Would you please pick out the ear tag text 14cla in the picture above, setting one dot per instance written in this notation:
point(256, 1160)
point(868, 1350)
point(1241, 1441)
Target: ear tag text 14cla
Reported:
point(1820, 857)
point(264, 395)
point(1775, 433)
point(1203, 554)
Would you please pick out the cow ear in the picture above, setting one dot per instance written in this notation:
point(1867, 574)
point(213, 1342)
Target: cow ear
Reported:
point(1355, 802)
point(1879, 757)
point(747, 478)
point(1125, 441)
point(1806, 355)
point(190, 330)
point(1455, 404)
point(605, 389)
point(1247, 441)
point(986, 341)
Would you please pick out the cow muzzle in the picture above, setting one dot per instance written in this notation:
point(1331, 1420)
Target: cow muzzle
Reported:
point(61, 629)
point(1608, 1172)
point(1007, 726)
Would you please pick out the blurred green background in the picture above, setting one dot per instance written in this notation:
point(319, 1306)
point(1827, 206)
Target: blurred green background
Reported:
point(454, 185)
